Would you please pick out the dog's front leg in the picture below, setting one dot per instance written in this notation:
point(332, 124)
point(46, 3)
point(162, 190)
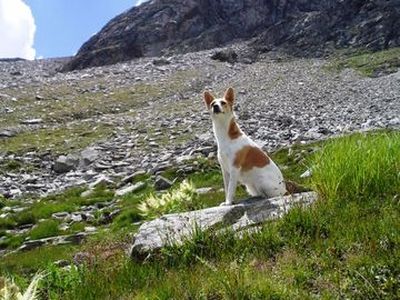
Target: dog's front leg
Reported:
point(225, 176)
point(233, 179)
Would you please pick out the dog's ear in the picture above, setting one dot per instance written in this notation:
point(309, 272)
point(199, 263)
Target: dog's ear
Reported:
point(208, 98)
point(230, 96)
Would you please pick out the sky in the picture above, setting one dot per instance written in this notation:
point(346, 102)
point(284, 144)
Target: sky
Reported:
point(53, 28)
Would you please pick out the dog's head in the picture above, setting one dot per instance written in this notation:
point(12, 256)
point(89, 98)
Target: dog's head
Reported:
point(220, 106)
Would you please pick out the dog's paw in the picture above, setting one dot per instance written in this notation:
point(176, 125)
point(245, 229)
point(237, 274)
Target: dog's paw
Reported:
point(225, 204)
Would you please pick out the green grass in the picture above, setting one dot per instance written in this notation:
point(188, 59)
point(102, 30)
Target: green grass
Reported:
point(87, 99)
point(30, 261)
point(68, 201)
point(57, 140)
point(369, 64)
point(12, 241)
point(359, 165)
point(45, 229)
point(344, 246)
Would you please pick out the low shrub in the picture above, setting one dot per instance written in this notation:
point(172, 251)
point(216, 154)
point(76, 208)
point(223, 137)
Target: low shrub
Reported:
point(10, 291)
point(183, 198)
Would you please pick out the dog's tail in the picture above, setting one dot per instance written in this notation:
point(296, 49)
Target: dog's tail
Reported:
point(294, 188)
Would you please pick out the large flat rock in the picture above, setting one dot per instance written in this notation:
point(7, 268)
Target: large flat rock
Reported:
point(176, 228)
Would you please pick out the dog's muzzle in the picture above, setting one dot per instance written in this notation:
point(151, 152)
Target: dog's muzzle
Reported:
point(216, 109)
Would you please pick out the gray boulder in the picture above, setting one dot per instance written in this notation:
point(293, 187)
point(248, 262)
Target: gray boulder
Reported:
point(7, 133)
point(65, 164)
point(89, 155)
point(176, 228)
point(162, 183)
point(130, 189)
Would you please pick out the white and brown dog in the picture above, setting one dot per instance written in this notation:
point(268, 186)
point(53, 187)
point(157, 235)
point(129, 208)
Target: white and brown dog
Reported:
point(240, 158)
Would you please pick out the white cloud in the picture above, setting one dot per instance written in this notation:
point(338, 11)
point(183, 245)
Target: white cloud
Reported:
point(17, 30)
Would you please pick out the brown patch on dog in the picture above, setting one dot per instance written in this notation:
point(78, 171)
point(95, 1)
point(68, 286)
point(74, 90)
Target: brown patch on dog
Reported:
point(230, 96)
point(208, 98)
point(249, 157)
point(234, 131)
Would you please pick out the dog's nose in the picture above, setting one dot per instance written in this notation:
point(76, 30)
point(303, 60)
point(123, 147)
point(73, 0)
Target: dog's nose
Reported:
point(216, 108)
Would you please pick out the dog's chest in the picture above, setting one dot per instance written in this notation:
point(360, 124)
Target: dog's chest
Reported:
point(227, 150)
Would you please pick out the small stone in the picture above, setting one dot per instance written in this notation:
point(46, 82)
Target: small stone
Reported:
point(204, 190)
point(65, 164)
point(162, 183)
point(89, 155)
point(161, 61)
point(394, 121)
point(32, 121)
point(227, 55)
point(16, 73)
point(182, 159)
point(313, 134)
point(130, 189)
point(102, 181)
point(108, 217)
point(18, 209)
point(60, 215)
point(90, 229)
point(102, 166)
point(306, 174)
point(62, 263)
point(131, 178)
point(63, 227)
point(15, 192)
point(76, 217)
point(87, 193)
point(7, 133)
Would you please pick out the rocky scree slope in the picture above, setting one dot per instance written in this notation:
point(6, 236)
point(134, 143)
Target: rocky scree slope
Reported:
point(306, 28)
point(148, 114)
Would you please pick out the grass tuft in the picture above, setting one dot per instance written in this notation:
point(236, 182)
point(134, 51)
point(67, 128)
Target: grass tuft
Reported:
point(45, 229)
point(359, 166)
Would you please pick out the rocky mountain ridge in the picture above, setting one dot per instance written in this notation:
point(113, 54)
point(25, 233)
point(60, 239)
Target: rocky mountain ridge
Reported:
point(305, 28)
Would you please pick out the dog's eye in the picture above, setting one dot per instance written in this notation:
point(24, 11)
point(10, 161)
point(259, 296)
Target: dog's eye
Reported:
point(223, 103)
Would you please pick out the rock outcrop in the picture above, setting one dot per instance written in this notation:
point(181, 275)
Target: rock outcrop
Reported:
point(306, 27)
point(176, 228)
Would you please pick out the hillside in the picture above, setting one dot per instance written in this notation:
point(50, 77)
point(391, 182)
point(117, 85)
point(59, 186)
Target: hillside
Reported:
point(137, 114)
point(79, 151)
point(302, 28)
point(93, 157)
